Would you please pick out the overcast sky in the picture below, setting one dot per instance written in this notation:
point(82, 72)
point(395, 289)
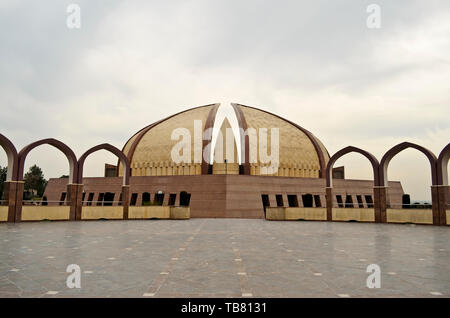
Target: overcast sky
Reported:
point(314, 62)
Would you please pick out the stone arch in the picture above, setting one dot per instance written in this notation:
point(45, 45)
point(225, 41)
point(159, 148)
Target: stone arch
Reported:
point(123, 159)
point(442, 162)
point(373, 161)
point(12, 156)
point(391, 153)
point(73, 165)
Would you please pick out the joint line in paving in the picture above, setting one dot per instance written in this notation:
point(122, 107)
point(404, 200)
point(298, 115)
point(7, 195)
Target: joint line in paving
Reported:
point(159, 282)
point(241, 272)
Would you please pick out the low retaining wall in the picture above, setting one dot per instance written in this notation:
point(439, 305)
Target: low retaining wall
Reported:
point(291, 214)
point(149, 212)
point(314, 214)
point(57, 213)
point(158, 212)
point(180, 213)
point(102, 212)
point(4, 213)
point(275, 214)
point(418, 216)
point(39, 213)
point(353, 214)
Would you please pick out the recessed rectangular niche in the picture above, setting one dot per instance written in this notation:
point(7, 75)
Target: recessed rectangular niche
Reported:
point(339, 201)
point(101, 196)
point(172, 199)
point(265, 201)
point(360, 201)
point(159, 198)
point(292, 200)
point(145, 198)
point(185, 198)
point(279, 199)
point(90, 198)
point(307, 200)
point(317, 201)
point(133, 199)
point(348, 201)
point(62, 198)
point(369, 201)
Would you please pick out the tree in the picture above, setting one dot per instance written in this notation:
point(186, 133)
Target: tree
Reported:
point(3, 172)
point(34, 180)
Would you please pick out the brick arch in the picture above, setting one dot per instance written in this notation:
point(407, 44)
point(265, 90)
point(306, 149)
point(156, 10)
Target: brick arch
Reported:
point(442, 162)
point(13, 158)
point(373, 161)
point(391, 153)
point(71, 157)
point(124, 160)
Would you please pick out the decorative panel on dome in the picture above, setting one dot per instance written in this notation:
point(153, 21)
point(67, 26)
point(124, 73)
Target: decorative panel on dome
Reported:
point(297, 154)
point(152, 156)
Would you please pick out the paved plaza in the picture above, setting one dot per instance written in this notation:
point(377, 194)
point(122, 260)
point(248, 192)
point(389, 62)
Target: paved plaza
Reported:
point(223, 258)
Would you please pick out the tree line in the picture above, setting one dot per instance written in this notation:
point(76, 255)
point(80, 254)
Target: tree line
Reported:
point(34, 179)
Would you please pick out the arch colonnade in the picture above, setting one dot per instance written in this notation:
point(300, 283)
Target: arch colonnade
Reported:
point(14, 185)
point(13, 189)
point(440, 191)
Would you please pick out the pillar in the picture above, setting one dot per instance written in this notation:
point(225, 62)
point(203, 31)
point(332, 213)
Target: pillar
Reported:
point(272, 200)
point(177, 199)
point(285, 200)
point(166, 198)
point(377, 204)
point(435, 204)
point(125, 200)
point(329, 197)
point(443, 201)
point(74, 199)
point(20, 186)
point(383, 199)
point(9, 195)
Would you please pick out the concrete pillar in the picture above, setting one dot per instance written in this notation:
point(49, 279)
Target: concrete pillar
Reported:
point(377, 204)
point(285, 200)
point(20, 186)
point(272, 200)
point(9, 195)
point(125, 200)
point(166, 198)
point(435, 204)
point(329, 197)
point(139, 199)
point(177, 199)
point(383, 199)
point(74, 199)
point(444, 200)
